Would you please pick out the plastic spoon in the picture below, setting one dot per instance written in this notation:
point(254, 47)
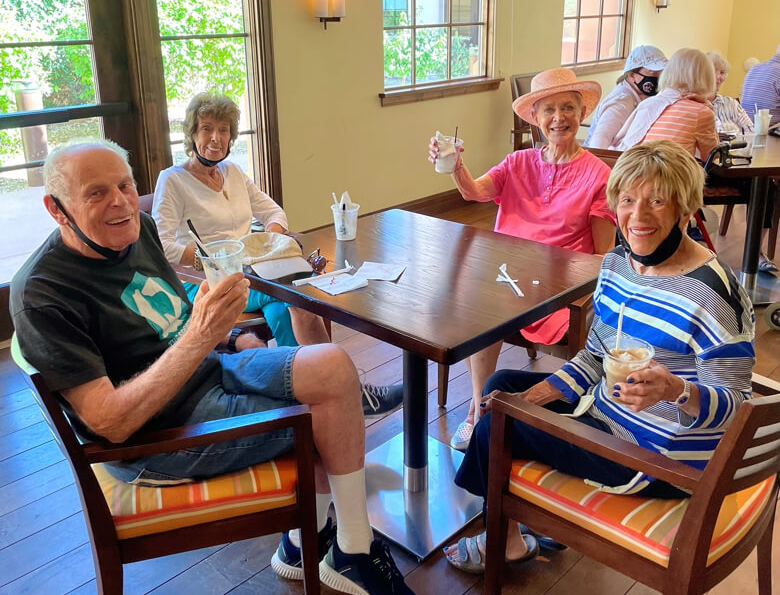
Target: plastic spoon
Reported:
point(511, 281)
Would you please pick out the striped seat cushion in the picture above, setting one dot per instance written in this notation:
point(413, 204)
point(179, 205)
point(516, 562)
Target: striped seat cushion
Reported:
point(645, 526)
point(144, 510)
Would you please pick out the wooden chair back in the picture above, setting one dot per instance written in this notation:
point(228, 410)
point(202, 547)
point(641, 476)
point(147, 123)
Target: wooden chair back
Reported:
point(748, 453)
point(110, 553)
point(521, 84)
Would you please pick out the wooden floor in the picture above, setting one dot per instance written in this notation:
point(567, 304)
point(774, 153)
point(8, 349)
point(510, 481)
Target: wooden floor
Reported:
point(44, 547)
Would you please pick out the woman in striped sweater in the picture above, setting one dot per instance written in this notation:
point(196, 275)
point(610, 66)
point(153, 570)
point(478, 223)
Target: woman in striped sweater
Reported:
point(681, 111)
point(678, 297)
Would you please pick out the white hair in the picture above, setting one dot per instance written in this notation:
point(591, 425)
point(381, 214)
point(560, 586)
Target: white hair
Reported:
point(54, 180)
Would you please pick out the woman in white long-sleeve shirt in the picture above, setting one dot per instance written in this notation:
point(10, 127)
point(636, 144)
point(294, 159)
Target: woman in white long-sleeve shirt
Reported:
point(638, 82)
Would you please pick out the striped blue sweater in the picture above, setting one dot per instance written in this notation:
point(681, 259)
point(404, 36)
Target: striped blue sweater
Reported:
point(701, 324)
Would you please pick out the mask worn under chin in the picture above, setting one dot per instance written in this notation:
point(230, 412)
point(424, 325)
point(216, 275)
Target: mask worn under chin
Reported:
point(664, 250)
point(208, 162)
point(648, 85)
point(107, 253)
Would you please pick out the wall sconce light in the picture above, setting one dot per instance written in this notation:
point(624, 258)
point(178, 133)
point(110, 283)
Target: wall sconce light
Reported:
point(329, 11)
point(659, 4)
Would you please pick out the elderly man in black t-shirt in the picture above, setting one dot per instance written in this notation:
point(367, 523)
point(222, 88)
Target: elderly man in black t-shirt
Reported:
point(101, 314)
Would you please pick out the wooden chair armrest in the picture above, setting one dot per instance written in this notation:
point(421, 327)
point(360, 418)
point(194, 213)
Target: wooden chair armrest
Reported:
point(210, 432)
point(582, 303)
point(188, 274)
point(597, 442)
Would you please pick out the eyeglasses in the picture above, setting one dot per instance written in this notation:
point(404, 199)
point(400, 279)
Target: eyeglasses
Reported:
point(317, 262)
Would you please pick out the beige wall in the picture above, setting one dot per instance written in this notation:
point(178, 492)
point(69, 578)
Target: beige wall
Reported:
point(755, 31)
point(335, 136)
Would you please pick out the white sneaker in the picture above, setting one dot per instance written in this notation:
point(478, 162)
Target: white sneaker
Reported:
point(462, 436)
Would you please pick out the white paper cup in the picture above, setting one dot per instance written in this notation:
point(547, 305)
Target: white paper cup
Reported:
point(229, 254)
point(345, 220)
point(618, 369)
point(761, 122)
point(448, 154)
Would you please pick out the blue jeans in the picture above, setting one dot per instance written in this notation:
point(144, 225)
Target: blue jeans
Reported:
point(253, 380)
point(275, 312)
point(533, 444)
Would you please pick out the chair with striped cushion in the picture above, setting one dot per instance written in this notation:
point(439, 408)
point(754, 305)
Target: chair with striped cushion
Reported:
point(674, 546)
point(128, 523)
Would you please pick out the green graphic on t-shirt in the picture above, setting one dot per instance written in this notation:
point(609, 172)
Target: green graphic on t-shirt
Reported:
point(155, 300)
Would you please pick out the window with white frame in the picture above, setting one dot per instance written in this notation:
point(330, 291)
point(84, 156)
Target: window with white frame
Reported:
point(434, 41)
point(595, 31)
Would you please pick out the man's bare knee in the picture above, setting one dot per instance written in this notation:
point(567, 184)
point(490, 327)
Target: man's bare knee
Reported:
point(324, 371)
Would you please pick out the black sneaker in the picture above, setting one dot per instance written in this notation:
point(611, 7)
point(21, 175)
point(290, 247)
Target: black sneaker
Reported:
point(379, 401)
point(287, 563)
point(374, 573)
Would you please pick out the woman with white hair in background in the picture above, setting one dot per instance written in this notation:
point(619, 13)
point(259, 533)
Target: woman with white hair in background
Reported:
point(681, 111)
point(638, 82)
point(730, 116)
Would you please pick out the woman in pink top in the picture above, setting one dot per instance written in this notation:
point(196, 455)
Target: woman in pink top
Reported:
point(681, 111)
point(555, 195)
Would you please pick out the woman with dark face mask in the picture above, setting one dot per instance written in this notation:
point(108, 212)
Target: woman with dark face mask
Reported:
point(638, 82)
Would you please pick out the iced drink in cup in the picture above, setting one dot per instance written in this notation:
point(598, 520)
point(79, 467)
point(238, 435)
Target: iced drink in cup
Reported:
point(634, 355)
point(449, 148)
point(345, 220)
point(229, 254)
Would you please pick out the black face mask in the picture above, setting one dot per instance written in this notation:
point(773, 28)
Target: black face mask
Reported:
point(664, 250)
point(208, 162)
point(107, 253)
point(648, 85)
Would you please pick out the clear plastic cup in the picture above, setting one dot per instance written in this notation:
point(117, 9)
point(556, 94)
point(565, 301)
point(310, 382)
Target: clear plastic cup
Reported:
point(448, 153)
point(229, 254)
point(634, 355)
point(345, 220)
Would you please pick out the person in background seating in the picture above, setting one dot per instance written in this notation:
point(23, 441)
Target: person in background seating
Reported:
point(221, 200)
point(638, 82)
point(730, 116)
point(679, 298)
point(761, 88)
point(99, 311)
point(681, 111)
point(555, 195)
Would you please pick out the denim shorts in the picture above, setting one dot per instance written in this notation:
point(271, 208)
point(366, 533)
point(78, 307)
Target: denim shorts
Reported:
point(253, 380)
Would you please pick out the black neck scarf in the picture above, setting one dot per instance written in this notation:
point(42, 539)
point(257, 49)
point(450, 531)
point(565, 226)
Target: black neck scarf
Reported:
point(664, 250)
point(107, 253)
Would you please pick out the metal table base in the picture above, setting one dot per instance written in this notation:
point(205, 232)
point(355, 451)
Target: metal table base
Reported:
point(419, 521)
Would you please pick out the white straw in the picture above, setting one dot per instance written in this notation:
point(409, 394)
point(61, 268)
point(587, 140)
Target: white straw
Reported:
point(620, 326)
point(335, 200)
point(208, 255)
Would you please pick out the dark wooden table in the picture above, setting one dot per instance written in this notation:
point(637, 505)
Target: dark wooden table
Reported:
point(446, 306)
point(764, 164)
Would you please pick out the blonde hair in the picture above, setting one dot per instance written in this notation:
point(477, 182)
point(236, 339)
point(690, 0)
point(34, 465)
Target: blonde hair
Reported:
point(719, 61)
point(689, 71)
point(671, 170)
point(55, 182)
point(209, 104)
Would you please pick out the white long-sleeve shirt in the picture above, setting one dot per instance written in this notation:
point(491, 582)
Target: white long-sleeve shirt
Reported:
point(610, 115)
point(217, 215)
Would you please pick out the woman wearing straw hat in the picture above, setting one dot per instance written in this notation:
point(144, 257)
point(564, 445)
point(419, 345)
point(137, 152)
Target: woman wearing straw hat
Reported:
point(555, 195)
point(638, 82)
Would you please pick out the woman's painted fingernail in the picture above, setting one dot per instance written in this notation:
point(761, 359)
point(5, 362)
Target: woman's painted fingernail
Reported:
point(630, 381)
point(482, 404)
point(616, 394)
point(615, 387)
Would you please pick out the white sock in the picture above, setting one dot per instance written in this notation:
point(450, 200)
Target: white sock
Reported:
point(353, 534)
point(323, 505)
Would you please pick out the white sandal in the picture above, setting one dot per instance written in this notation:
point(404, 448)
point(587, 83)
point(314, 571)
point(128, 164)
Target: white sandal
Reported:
point(462, 436)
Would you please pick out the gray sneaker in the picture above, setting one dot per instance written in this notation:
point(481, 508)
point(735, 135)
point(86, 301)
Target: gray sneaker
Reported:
point(379, 401)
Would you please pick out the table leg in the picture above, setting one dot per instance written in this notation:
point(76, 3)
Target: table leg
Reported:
point(755, 219)
point(415, 423)
point(412, 497)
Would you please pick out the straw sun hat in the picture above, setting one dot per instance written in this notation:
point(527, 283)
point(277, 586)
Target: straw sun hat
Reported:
point(550, 82)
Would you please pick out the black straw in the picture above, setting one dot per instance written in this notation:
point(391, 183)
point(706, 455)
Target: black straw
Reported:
point(604, 345)
point(456, 135)
point(192, 229)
